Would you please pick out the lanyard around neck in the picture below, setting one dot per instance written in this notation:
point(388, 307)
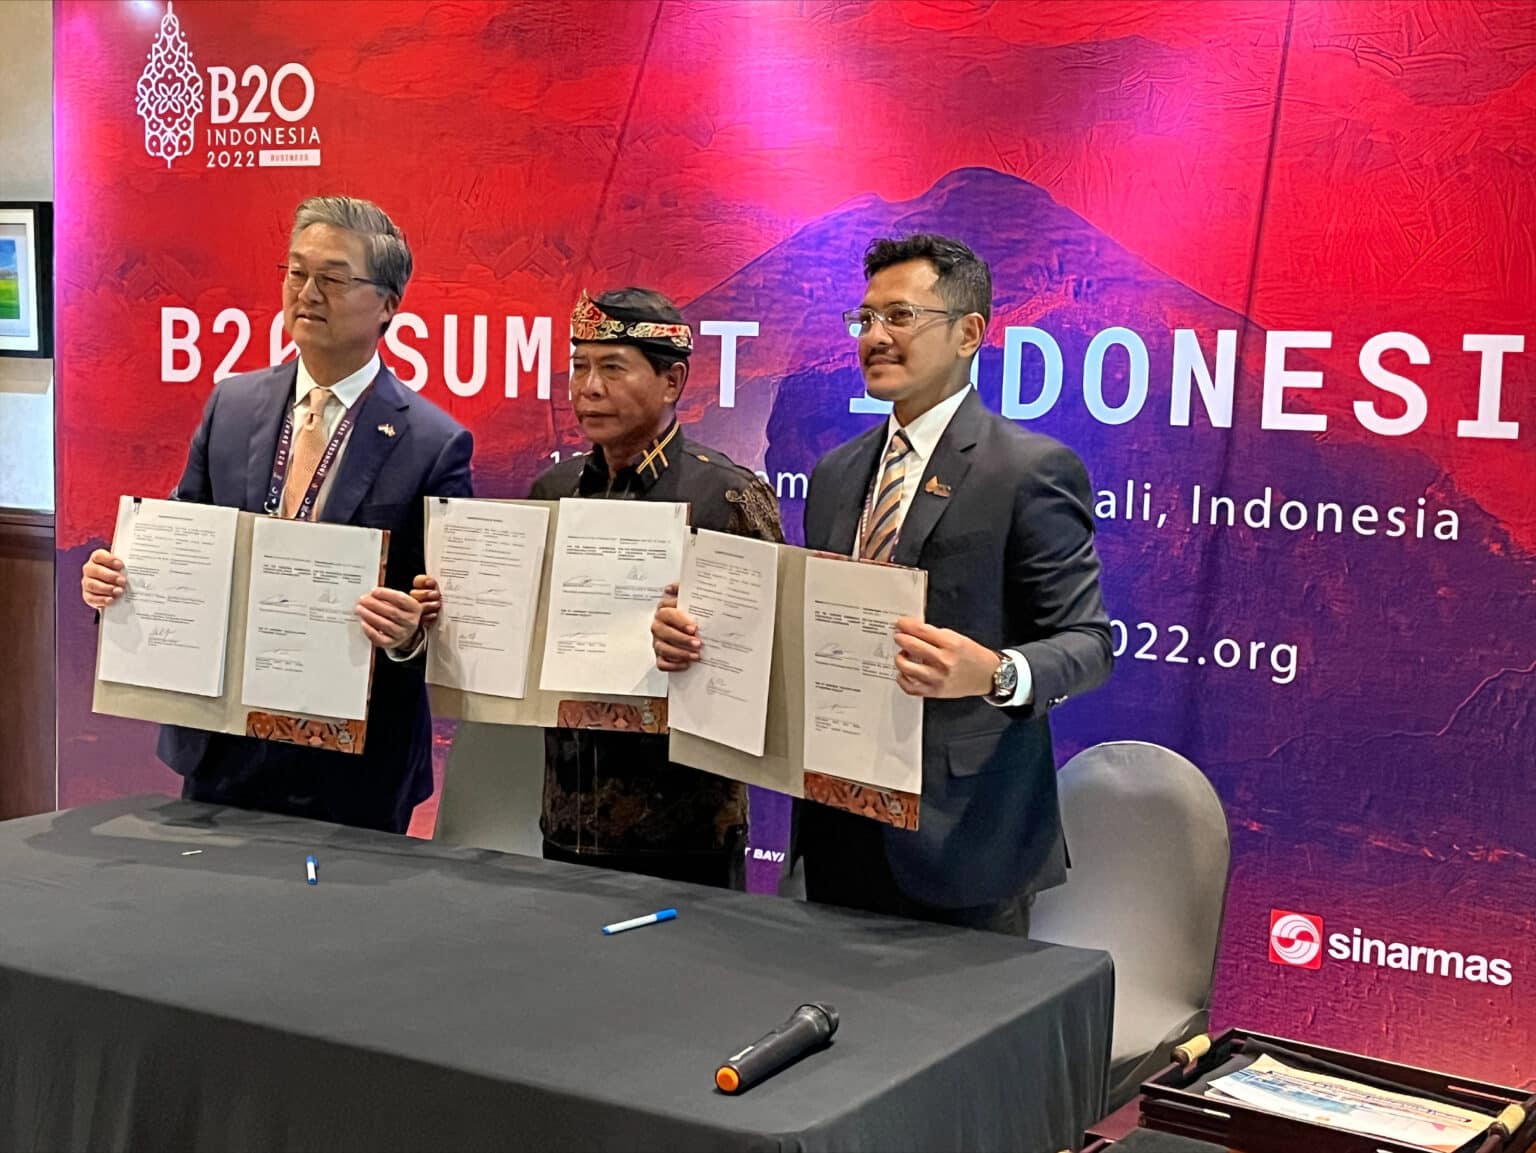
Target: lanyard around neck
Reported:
point(281, 461)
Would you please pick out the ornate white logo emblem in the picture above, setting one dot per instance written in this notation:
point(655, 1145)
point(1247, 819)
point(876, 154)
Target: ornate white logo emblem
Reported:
point(170, 93)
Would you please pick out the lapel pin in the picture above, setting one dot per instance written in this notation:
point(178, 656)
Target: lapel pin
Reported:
point(387, 429)
point(936, 486)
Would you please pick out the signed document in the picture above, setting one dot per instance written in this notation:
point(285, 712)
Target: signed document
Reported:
point(859, 725)
point(305, 650)
point(730, 589)
point(168, 630)
point(612, 560)
point(488, 558)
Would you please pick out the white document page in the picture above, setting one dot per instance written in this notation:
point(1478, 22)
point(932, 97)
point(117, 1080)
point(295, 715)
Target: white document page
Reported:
point(859, 725)
point(488, 559)
point(612, 560)
point(168, 629)
point(305, 649)
point(729, 588)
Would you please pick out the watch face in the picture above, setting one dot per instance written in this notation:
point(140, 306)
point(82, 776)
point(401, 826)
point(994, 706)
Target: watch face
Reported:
point(1005, 680)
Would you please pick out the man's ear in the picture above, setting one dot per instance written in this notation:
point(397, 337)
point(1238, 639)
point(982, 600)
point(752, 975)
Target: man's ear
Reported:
point(676, 377)
point(391, 307)
point(973, 330)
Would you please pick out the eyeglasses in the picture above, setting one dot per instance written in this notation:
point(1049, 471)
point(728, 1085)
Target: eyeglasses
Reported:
point(329, 283)
point(896, 318)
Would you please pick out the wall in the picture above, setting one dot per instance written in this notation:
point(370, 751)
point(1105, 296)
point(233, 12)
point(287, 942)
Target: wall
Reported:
point(26, 173)
point(27, 725)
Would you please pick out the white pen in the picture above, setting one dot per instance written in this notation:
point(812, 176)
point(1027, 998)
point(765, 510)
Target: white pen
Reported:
point(648, 919)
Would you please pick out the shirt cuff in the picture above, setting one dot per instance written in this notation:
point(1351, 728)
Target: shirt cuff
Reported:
point(1026, 687)
point(410, 654)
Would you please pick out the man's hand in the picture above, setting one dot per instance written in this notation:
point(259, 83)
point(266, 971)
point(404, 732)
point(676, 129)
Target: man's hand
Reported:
point(941, 663)
point(424, 591)
point(102, 580)
point(674, 635)
point(390, 618)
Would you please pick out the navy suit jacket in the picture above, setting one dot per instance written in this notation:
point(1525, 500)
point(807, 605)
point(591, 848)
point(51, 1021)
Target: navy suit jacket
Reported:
point(1011, 564)
point(379, 482)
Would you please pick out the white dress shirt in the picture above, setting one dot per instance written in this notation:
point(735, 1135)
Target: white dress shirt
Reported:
point(924, 434)
point(344, 394)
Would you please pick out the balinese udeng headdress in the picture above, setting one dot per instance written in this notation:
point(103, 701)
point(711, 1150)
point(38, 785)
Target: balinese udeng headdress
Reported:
point(591, 322)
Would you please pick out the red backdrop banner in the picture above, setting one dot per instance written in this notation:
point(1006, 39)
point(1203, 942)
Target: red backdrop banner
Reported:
point(1267, 266)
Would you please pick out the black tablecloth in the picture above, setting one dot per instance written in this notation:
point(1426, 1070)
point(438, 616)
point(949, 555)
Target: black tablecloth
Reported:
point(424, 997)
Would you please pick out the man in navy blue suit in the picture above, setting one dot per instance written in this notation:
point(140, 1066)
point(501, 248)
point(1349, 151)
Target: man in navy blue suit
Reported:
point(365, 450)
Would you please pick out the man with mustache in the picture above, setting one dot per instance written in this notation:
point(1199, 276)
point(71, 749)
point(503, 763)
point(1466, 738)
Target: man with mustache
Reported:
point(1001, 520)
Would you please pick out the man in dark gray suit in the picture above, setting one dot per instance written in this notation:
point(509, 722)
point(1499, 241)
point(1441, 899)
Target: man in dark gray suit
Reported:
point(1001, 520)
point(358, 448)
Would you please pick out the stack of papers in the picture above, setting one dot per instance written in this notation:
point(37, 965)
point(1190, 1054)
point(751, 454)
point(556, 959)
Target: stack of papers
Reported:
point(1322, 1100)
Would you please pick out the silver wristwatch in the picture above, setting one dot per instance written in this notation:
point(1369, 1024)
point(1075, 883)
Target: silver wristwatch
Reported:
point(1005, 679)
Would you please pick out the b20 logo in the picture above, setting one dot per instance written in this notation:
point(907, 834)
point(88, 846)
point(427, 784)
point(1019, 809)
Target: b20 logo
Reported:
point(290, 106)
point(171, 94)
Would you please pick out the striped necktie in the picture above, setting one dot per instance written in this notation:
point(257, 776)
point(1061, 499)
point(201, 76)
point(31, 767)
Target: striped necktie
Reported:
point(885, 511)
point(308, 447)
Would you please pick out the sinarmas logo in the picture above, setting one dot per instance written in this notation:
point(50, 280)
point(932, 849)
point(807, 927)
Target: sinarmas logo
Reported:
point(1295, 939)
point(170, 93)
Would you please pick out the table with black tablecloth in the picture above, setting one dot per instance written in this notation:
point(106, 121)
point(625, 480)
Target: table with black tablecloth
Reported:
point(168, 980)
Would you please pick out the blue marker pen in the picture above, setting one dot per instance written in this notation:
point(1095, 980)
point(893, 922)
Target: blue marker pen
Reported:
point(309, 865)
point(649, 919)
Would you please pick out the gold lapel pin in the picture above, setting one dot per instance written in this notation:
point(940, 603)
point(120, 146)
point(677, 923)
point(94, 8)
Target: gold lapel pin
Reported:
point(387, 429)
point(936, 486)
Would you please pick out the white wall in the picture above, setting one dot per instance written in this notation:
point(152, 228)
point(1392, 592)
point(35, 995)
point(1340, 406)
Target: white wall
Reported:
point(26, 173)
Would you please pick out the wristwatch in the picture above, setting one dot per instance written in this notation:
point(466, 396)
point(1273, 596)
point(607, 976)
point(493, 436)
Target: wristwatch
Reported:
point(1005, 680)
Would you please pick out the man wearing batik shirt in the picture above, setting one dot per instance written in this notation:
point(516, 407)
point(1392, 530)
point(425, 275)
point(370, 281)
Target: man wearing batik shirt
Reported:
point(613, 798)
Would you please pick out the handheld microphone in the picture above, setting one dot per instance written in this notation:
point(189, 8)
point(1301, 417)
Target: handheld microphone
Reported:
point(810, 1027)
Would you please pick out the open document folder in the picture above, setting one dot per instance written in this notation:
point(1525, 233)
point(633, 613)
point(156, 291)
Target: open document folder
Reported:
point(838, 731)
point(238, 623)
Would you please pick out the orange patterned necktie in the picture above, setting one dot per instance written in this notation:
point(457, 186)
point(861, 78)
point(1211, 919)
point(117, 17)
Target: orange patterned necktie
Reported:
point(308, 448)
point(884, 518)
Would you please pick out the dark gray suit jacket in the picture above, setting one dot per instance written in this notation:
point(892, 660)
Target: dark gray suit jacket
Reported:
point(1011, 564)
point(379, 482)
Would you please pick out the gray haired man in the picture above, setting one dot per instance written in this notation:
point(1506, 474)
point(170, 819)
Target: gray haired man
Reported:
point(360, 449)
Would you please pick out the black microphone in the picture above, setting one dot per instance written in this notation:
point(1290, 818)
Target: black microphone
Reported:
point(809, 1028)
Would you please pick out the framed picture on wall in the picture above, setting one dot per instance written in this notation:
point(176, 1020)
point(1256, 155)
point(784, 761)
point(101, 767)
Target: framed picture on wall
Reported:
point(26, 279)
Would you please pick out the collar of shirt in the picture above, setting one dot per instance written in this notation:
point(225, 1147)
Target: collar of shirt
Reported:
point(638, 477)
point(925, 432)
point(346, 390)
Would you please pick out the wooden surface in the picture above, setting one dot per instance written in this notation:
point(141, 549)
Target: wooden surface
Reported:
point(28, 742)
point(1118, 1123)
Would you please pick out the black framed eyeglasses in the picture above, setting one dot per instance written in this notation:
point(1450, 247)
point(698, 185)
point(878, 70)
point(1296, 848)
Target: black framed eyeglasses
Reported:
point(896, 318)
point(327, 282)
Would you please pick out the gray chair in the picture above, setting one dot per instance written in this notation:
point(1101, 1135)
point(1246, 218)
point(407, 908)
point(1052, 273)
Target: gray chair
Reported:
point(1150, 849)
point(493, 789)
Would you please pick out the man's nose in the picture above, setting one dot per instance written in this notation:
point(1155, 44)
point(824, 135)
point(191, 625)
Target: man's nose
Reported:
point(875, 338)
point(588, 382)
